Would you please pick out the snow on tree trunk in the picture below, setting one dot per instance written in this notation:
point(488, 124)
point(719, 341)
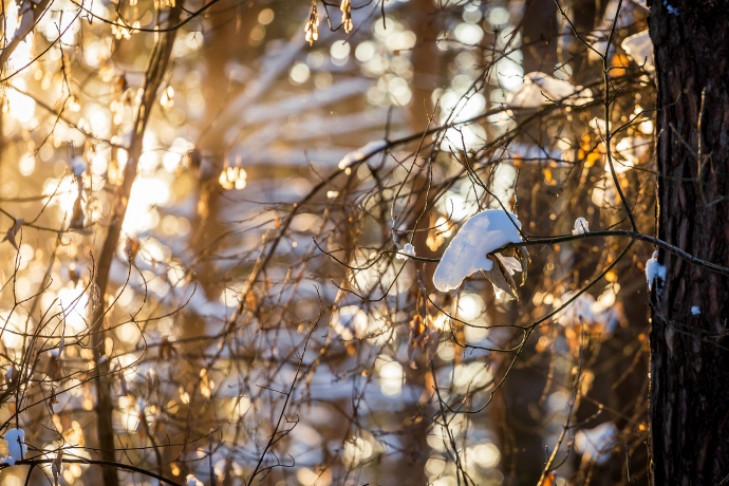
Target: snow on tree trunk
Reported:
point(690, 360)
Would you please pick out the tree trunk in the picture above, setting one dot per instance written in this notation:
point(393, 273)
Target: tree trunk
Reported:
point(690, 361)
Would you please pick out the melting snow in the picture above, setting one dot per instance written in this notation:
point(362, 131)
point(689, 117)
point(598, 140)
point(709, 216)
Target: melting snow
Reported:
point(484, 233)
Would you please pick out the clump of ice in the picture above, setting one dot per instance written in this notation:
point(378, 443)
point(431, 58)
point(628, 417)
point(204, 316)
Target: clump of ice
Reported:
point(16, 446)
point(655, 271)
point(581, 227)
point(467, 253)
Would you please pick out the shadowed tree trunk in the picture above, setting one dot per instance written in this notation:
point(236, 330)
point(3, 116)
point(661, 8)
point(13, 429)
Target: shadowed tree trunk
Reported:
point(539, 33)
point(690, 360)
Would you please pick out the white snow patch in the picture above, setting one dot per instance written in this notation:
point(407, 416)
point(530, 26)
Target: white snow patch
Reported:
point(653, 271)
point(540, 88)
point(579, 310)
point(640, 48)
point(581, 227)
point(695, 310)
point(191, 480)
point(406, 252)
point(16, 446)
point(595, 444)
point(586, 310)
point(362, 153)
point(78, 165)
point(482, 234)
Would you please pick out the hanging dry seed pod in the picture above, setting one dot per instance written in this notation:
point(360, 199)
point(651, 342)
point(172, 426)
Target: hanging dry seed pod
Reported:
point(312, 25)
point(346, 8)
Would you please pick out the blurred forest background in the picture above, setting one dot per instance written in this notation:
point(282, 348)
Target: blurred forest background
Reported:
point(222, 218)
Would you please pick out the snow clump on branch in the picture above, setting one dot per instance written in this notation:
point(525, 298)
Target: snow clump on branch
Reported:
point(653, 271)
point(470, 250)
point(16, 446)
point(595, 444)
point(581, 227)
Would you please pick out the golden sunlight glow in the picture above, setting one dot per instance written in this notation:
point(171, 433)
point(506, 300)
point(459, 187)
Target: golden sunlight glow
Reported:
point(20, 106)
point(63, 20)
point(391, 376)
point(356, 451)
point(233, 178)
point(172, 159)
point(26, 164)
point(309, 477)
point(484, 455)
point(12, 328)
point(63, 192)
point(128, 333)
point(470, 306)
point(97, 120)
point(240, 405)
point(74, 304)
point(471, 375)
point(147, 192)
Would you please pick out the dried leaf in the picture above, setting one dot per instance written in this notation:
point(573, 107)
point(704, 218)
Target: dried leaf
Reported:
point(13, 231)
point(500, 278)
point(77, 218)
point(132, 248)
point(56, 466)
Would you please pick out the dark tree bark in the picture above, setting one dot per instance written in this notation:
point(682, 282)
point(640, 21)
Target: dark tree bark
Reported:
point(539, 32)
point(690, 359)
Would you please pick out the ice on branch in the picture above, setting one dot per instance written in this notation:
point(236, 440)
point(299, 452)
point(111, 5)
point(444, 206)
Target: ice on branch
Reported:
point(581, 227)
point(539, 89)
point(362, 153)
point(653, 271)
point(16, 446)
point(595, 444)
point(470, 250)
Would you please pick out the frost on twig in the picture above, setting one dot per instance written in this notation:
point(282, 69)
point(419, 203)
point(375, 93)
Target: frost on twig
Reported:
point(471, 250)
